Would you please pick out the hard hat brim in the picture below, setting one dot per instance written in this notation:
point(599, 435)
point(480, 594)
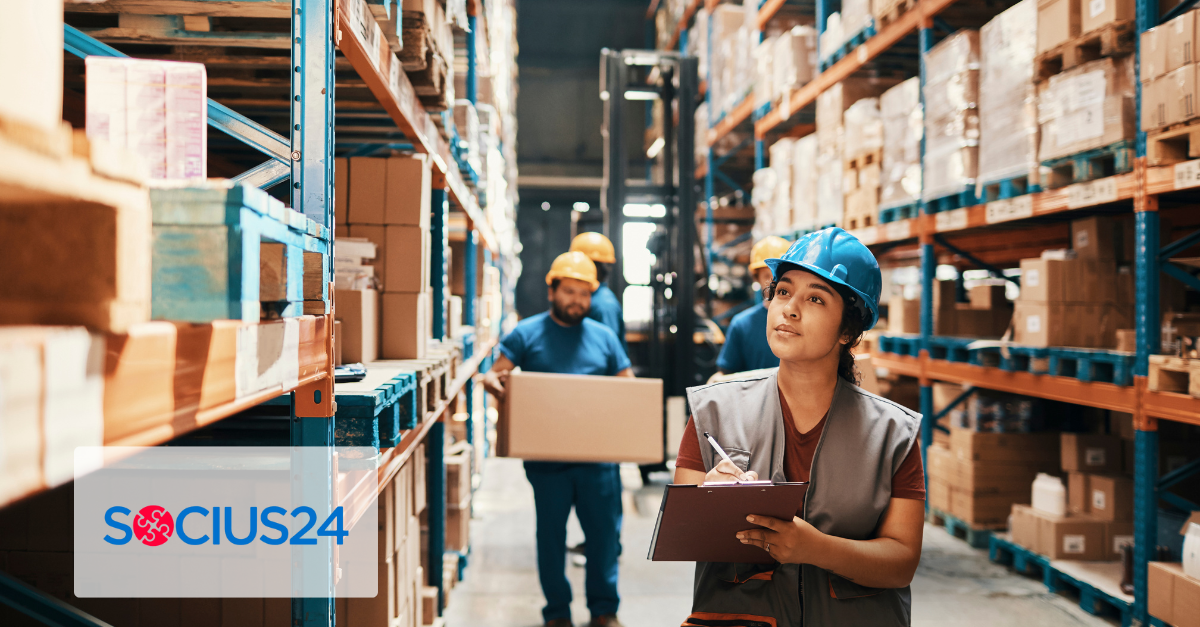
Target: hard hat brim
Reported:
point(865, 304)
point(562, 275)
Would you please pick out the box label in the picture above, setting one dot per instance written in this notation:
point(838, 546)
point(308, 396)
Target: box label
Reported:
point(953, 220)
point(1074, 544)
point(1098, 500)
point(1187, 174)
point(1081, 239)
point(1094, 457)
point(1096, 7)
point(1092, 193)
point(1033, 324)
point(1010, 209)
point(1120, 542)
point(1032, 278)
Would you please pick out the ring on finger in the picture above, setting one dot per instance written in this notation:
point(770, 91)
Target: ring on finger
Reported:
point(768, 547)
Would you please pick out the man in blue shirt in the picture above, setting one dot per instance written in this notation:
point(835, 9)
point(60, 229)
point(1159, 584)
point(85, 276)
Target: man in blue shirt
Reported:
point(563, 340)
point(606, 309)
point(746, 346)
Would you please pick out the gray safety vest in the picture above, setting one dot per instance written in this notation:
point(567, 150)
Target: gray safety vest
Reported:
point(865, 440)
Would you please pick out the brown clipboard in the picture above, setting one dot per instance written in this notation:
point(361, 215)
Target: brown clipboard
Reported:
point(700, 523)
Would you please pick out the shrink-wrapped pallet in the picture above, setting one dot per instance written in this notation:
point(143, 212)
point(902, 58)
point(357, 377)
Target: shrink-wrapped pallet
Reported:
point(726, 22)
point(829, 190)
point(795, 60)
point(952, 115)
point(833, 102)
point(764, 72)
point(700, 141)
point(804, 183)
point(763, 198)
point(697, 42)
point(781, 162)
point(903, 126)
point(856, 16)
point(864, 128)
point(1087, 107)
point(832, 38)
point(1008, 128)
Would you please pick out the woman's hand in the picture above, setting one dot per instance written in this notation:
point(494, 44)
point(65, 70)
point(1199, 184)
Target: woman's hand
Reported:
point(787, 541)
point(495, 382)
point(726, 471)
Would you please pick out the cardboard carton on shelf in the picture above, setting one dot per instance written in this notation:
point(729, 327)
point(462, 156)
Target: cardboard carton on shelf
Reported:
point(408, 191)
point(1181, 41)
point(1005, 448)
point(1091, 453)
point(408, 259)
point(405, 320)
point(1058, 21)
point(1079, 538)
point(1104, 497)
point(1100, 13)
point(1095, 237)
point(358, 312)
point(904, 316)
point(579, 418)
point(1070, 125)
point(988, 296)
point(1173, 597)
point(1153, 50)
point(368, 191)
point(1154, 103)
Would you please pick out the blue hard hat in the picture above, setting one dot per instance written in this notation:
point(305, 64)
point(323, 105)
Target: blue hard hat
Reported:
point(837, 257)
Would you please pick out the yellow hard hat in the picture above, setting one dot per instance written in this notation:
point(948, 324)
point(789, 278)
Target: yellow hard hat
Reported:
point(767, 248)
point(597, 247)
point(573, 265)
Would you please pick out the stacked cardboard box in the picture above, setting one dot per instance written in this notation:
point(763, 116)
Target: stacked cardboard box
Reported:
point(1058, 21)
point(951, 115)
point(1072, 124)
point(831, 140)
point(1168, 72)
point(1077, 298)
point(903, 127)
point(804, 183)
point(1008, 124)
point(794, 62)
point(861, 163)
point(980, 476)
point(387, 202)
point(987, 314)
point(458, 499)
point(1173, 596)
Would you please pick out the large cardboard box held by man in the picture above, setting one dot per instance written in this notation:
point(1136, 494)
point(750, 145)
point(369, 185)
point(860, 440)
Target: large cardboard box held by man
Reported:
point(580, 418)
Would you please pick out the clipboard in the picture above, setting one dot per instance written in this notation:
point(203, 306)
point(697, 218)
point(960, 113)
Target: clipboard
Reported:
point(700, 523)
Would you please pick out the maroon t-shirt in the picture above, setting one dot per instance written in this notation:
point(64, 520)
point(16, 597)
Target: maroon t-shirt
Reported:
point(798, 451)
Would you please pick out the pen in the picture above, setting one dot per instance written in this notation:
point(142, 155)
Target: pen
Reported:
point(717, 447)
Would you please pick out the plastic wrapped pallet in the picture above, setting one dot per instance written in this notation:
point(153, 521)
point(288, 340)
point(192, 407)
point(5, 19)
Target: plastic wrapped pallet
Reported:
point(700, 146)
point(764, 72)
point(864, 128)
point(903, 126)
point(781, 161)
point(829, 190)
point(833, 102)
point(1087, 107)
point(833, 37)
point(795, 60)
point(856, 16)
point(726, 20)
point(697, 42)
point(762, 198)
point(804, 183)
point(1008, 129)
point(952, 115)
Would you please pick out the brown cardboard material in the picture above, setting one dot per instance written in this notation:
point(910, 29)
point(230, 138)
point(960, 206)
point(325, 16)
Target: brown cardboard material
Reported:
point(904, 316)
point(1160, 589)
point(377, 234)
point(1178, 91)
point(1098, 13)
point(987, 297)
point(1094, 238)
point(1024, 526)
point(1004, 448)
point(1039, 324)
point(408, 259)
point(1073, 538)
point(578, 418)
point(1118, 535)
point(1078, 492)
point(368, 185)
point(1153, 53)
point(1126, 340)
point(1093, 453)
point(1110, 498)
point(1181, 41)
point(1042, 280)
point(358, 311)
point(405, 321)
point(985, 509)
point(1058, 21)
point(139, 380)
point(939, 495)
point(341, 191)
point(1186, 601)
point(408, 191)
point(1154, 103)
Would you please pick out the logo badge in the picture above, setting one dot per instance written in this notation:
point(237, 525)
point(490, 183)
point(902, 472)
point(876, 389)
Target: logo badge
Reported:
point(153, 525)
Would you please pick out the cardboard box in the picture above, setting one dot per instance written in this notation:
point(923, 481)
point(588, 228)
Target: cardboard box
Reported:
point(341, 191)
point(1160, 589)
point(1178, 90)
point(376, 234)
point(1040, 324)
point(985, 509)
point(1186, 601)
point(904, 316)
point(1093, 453)
point(407, 201)
point(1072, 538)
point(1043, 280)
point(1089, 325)
point(1078, 491)
point(1111, 498)
point(405, 321)
point(1058, 21)
point(408, 259)
point(1126, 340)
point(1094, 238)
point(31, 63)
point(1118, 535)
point(1181, 41)
point(1153, 54)
point(358, 312)
point(368, 191)
point(1005, 448)
point(1098, 13)
point(578, 418)
point(987, 296)
point(1154, 104)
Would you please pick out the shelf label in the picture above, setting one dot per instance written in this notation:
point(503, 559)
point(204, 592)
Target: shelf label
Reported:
point(953, 220)
point(1187, 174)
point(1095, 192)
point(1010, 209)
point(868, 235)
point(899, 230)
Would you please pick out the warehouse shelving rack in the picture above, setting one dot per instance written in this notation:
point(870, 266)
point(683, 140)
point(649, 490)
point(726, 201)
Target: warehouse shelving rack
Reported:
point(319, 29)
point(1003, 222)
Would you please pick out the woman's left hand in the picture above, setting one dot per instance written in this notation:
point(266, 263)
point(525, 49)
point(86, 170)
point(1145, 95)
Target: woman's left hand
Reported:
point(787, 541)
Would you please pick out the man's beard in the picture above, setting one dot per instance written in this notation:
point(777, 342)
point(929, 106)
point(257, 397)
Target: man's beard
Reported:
point(564, 317)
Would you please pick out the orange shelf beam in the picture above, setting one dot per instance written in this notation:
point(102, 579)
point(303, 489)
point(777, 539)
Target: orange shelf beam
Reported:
point(740, 114)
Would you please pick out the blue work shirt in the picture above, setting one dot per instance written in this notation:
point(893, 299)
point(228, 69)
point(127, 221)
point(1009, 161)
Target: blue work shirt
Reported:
point(746, 346)
point(607, 311)
point(539, 344)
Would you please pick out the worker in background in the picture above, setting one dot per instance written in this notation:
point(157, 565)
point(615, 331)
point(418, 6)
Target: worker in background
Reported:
point(565, 341)
point(746, 345)
point(848, 555)
point(606, 309)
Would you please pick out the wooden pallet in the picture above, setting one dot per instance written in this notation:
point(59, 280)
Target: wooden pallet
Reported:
point(1096, 584)
point(1110, 40)
point(1085, 364)
point(891, 10)
point(432, 84)
point(417, 39)
point(863, 159)
point(949, 202)
point(1090, 165)
point(974, 535)
point(1011, 187)
point(1174, 374)
point(1175, 143)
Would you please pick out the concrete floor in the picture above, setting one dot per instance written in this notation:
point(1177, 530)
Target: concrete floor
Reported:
point(955, 584)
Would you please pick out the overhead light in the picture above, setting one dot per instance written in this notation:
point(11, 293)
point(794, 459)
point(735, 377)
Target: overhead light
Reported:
point(641, 59)
point(545, 206)
point(637, 210)
point(655, 148)
point(581, 207)
point(604, 95)
point(637, 94)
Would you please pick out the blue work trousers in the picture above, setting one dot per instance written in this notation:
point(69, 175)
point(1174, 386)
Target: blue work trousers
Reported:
point(595, 492)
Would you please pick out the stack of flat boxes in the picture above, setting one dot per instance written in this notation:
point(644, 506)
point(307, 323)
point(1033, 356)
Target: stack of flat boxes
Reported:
point(387, 201)
point(1168, 73)
point(1079, 301)
point(458, 500)
point(1099, 520)
point(979, 476)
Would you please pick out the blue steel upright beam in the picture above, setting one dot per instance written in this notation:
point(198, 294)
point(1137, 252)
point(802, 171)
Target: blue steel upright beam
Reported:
point(928, 268)
point(437, 275)
point(311, 158)
point(470, 249)
point(435, 453)
point(472, 71)
point(708, 176)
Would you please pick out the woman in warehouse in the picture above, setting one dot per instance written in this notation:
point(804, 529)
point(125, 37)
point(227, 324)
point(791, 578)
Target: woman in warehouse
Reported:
point(853, 546)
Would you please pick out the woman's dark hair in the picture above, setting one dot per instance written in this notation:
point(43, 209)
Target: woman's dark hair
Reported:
point(852, 327)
